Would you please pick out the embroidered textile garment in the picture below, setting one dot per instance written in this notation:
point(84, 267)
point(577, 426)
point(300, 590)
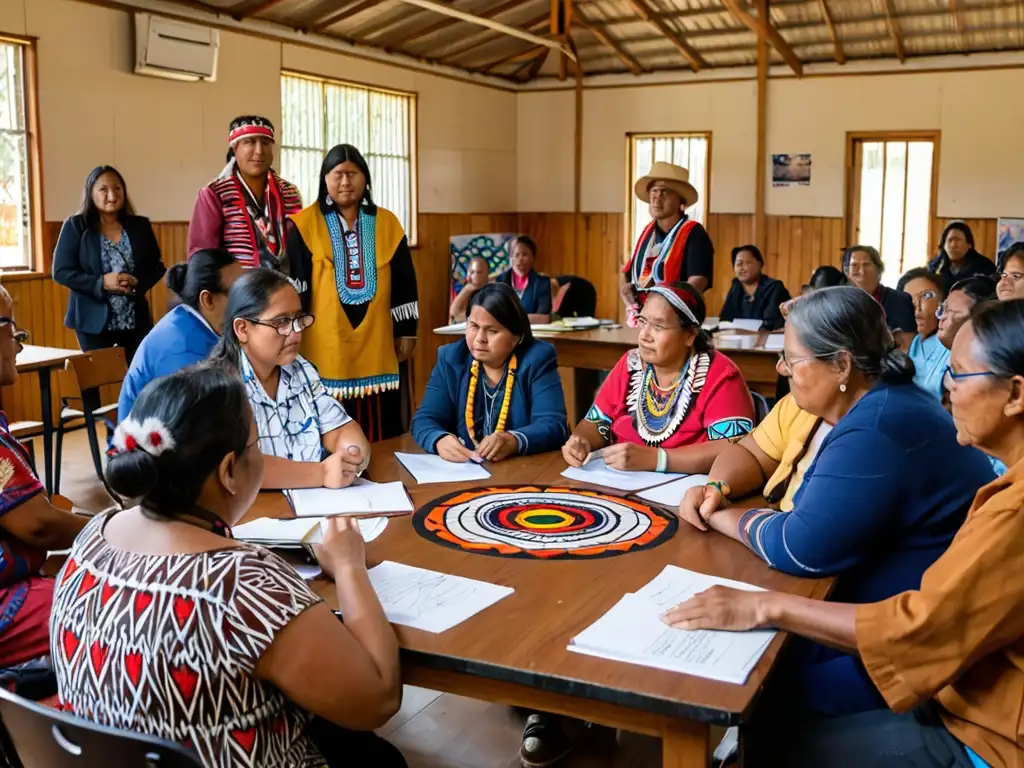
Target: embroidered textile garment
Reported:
point(659, 262)
point(167, 645)
point(117, 257)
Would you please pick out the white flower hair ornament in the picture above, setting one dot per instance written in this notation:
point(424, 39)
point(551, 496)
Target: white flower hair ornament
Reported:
point(150, 436)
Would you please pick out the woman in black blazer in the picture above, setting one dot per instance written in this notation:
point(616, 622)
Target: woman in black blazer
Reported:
point(109, 258)
point(753, 295)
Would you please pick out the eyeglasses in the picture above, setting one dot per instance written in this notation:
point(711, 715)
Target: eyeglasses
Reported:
point(786, 365)
point(925, 296)
point(643, 323)
point(1013, 276)
point(944, 311)
point(949, 378)
point(286, 326)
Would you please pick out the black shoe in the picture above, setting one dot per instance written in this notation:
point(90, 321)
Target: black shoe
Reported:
point(545, 742)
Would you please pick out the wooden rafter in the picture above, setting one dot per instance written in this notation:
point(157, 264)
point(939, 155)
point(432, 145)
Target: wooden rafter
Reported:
point(577, 62)
point(484, 37)
point(385, 24)
point(827, 15)
point(608, 42)
point(511, 58)
point(240, 12)
point(448, 22)
point(958, 22)
point(763, 27)
point(350, 9)
point(534, 67)
point(894, 30)
point(688, 51)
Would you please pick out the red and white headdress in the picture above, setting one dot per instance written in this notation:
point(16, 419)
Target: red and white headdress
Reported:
point(150, 436)
point(681, 300)
point(250, 125)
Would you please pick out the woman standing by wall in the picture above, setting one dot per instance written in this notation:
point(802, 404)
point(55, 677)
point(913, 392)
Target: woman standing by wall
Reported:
point(957, 259)
point(352, 261)
point(109, 258)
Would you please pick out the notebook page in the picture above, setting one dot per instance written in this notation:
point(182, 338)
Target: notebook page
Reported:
point(596, 472)
point(360, 498)
point(427, 468)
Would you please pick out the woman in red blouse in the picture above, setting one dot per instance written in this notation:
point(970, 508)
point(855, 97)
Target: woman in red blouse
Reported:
point(666, 403)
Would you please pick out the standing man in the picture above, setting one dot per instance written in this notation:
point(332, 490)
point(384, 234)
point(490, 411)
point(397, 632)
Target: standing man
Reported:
point(243, 210)
point(672, 248)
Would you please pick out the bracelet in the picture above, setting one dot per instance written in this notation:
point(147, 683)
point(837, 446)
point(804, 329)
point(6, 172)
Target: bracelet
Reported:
point(722, 487)
point(662, 465)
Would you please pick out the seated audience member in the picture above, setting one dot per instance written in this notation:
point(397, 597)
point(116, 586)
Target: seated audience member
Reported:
point(29, 527)
point(961, 300)
point(1011, 275)
point(533, 288)
point(826, 276)
point(945, 653)
point(926, 349)
point(957, 260)
point(306, 437)
point(863, 265)
point(477, 276)
point(870, 506)
point(673, 392)
point(190, 331)
point(164, 624)
point(495, 394)
point(753, 295)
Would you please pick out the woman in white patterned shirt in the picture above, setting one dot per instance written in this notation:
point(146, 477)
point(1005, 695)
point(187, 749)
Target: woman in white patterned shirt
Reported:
point(305, 435)
point(163, 624)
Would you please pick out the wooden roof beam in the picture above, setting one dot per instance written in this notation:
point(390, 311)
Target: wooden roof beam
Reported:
point(419, 34)
point(958, 22)
point(763, 27)
point(606, 40)
point(527, 55)
point(349, 9)
point(486, 36)
point(533, 67)
point(894, 30)
point(240, 12)
point(688, 51)
point(827, 15)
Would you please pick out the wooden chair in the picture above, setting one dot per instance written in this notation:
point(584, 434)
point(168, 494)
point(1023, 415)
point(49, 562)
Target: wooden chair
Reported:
point(25, 432)
point(89, 372)
point(36, 736)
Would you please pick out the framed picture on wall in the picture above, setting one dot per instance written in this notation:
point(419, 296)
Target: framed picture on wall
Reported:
point(492, 248)
point(1008, 232)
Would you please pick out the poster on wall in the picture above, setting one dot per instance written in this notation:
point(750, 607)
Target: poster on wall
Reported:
point(1008, 232)
point(789, 170)
point(492, 248)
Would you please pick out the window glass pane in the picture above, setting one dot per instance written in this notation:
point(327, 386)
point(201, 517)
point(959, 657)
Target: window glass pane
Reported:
point(302, 168)
point(15, 216)
point(892, 215)
point(302, 111)
point(690, 152)
point(871, 177)
point(919, 204)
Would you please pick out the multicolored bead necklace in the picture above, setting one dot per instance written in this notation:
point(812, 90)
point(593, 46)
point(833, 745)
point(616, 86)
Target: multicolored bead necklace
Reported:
point(474, 378)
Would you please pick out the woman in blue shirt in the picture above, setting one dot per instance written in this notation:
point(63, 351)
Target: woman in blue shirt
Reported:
point(872, 506)
point(930, 357)
point(189, 332)
point(533, 288)
point(495, 394)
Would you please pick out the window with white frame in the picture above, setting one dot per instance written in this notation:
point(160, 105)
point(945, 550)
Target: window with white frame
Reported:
point(689, 150)
point(16, 200)
point(318, 114)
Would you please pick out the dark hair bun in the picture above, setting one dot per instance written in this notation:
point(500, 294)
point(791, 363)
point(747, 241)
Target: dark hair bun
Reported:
point(896, 367)
point(176, 278)
point(133, 474)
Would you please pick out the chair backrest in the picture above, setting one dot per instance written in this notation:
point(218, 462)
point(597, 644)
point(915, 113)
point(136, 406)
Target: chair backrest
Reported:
point(581, 298)
point(42, 737)
point(761, 407)
point(100, 367)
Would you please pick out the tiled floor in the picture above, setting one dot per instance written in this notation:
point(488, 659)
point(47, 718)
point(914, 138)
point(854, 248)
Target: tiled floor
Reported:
point(433, 730)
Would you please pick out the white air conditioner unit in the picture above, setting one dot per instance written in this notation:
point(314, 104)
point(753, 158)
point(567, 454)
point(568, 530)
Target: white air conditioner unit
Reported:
point(174, 49)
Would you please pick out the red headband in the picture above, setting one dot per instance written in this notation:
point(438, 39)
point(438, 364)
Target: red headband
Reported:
point(250, 130)
point(681, 300)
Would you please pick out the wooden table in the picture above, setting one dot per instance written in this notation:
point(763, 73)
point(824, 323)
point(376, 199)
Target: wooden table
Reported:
point(584, 354)
point(515, 652)
point(42, 360)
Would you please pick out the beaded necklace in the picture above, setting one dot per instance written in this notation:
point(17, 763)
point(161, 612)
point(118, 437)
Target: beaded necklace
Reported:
point(658, 412)
point(474, 378)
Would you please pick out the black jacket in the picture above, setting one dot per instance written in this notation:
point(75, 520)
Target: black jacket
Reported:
point(770, 293)
point(77, 265)
point(973, 265)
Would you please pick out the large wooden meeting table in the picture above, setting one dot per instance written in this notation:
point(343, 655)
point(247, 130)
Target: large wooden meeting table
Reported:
point(515, 651)
point(582, 355)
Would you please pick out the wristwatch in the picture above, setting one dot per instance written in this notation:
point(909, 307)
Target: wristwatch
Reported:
point(722, 487)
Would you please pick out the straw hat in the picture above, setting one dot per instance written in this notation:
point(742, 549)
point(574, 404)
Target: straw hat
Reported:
point(673, 176)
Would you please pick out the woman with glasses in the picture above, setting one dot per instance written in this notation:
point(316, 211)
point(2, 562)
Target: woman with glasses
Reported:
point(351, 261)
point(960, 301)
point(871, 505)
point(308, 439)
point(190, 331)
point(1011, 276)
point(672, 404)
point(945, 654)
point(497, 393)
point(926, 350)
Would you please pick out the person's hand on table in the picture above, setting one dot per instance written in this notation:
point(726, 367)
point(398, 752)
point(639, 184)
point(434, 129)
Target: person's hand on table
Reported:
point(340, 468)
point(498, 446)
point(342, 545)
point(698, 504)
point(725, 608)
point(575, 451)
point(451, 449)
point(629, 457)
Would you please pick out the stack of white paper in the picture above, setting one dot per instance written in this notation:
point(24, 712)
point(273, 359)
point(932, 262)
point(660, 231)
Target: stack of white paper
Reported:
point(272, 532)
point(451, 329)
point(670, 494)
point(360, 498)
point(597, 472)
point(429, 600)
point(740, 324)
point(427, 468)
point(632, 631)
point(774, 342)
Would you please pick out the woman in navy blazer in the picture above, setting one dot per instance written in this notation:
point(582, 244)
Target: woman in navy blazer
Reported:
point(533, 288)
point(109, 258)
point(495, 394)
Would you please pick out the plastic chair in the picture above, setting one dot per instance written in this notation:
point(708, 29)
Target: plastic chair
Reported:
point(40, 737)
point(761, 407)
point(581, 298)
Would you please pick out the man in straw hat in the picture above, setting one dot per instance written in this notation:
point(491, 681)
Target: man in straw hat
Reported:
point(672, 248)
point(244, 209)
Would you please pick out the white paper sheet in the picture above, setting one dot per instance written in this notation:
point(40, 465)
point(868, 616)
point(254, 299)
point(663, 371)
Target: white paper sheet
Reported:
point(299, 530)
point(670, 494)
point(710, 323)
point(428, 600)
point(453, 328)
point(773, 343)
point(360, 498)
point(674, 585)
point(740, 324)
point(427, 468)
point(597, 472)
